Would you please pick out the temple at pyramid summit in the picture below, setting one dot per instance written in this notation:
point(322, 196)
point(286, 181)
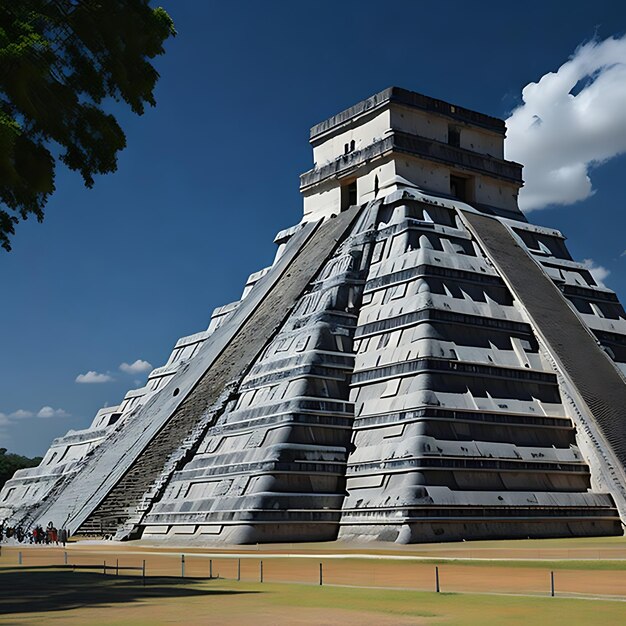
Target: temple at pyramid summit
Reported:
point(419, 363)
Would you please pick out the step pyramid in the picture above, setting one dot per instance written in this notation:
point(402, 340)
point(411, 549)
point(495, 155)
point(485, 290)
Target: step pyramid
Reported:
point(420, 363)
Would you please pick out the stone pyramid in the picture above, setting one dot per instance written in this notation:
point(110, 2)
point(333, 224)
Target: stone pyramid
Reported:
point(419, 363)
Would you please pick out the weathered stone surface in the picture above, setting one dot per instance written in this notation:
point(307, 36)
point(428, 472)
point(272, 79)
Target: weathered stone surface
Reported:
point(590, 373)
point(460, 431)
point(232, 346)
point(419, 363)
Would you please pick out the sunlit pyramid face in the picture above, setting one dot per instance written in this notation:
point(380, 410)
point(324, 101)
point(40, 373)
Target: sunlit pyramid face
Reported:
point(419, 363)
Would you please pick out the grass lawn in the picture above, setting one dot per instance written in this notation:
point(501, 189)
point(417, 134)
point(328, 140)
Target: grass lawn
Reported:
point(39, 592)
point(49, 596)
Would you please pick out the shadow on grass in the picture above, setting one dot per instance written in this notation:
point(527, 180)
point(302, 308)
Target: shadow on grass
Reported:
point(45, 589)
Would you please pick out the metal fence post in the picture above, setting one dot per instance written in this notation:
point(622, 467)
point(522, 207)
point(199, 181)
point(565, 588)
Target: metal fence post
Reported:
point(143, 573)
point(104, 567)
point(117, 567)
point(437, 578)
point(321, 576)
point(182, 566)
point(211, 568)
point(552, 584)
point(65, 558)
point(238, 569)
point(19, 558)
point(261, 571)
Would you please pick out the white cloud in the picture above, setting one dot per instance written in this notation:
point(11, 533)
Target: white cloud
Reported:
point(560, 136)
point(138, 367)
point(598, 272)
point(45, 411)
point(48, 411)
point(92, 377)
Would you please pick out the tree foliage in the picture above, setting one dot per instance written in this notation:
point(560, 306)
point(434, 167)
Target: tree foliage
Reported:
point(10, 463)
point(60, 60)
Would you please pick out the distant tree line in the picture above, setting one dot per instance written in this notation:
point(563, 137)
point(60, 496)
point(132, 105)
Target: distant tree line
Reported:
point(10, 463)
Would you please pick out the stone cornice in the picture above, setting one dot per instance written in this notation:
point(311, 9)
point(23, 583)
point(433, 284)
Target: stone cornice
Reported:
point(409, 99)
point(428, 149)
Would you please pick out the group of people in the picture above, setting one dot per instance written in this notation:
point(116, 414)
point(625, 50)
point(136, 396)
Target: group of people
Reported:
point(49, 535)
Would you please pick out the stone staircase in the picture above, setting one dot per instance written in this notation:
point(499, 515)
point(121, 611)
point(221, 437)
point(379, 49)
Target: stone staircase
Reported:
point(114, 480)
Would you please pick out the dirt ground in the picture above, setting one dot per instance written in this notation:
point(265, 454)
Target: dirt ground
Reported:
point(584, 567)
point(361, 584)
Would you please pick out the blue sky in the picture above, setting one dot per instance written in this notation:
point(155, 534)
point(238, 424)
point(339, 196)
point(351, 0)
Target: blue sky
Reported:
point(119, 272)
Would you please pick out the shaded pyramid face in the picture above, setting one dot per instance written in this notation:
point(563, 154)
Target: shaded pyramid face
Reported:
point(411, 368)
